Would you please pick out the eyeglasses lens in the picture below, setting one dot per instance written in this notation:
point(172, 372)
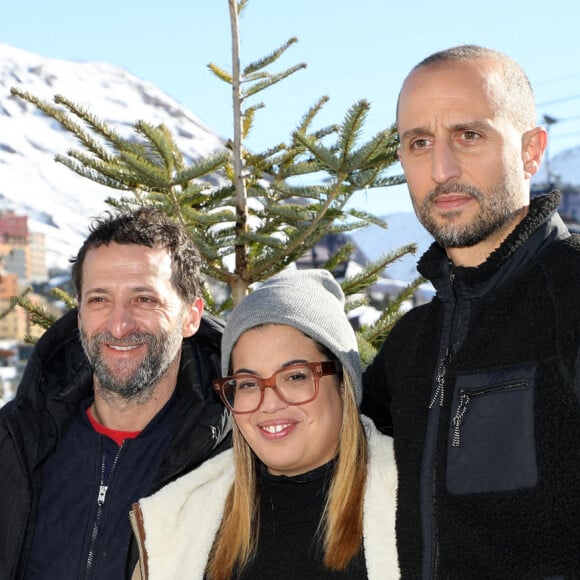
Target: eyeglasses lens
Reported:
point(295, 385)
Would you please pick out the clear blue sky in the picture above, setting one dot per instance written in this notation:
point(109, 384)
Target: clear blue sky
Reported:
point(353, 50)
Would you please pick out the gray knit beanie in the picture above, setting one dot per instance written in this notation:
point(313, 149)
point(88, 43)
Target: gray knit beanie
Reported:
point(308, 300)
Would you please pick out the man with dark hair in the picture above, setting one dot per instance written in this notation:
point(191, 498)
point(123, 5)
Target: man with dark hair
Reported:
point(115, 402)
point(481, 387)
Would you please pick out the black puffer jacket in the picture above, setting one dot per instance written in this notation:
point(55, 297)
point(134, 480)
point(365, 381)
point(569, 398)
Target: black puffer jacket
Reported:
point(481, 388)
point(56, 380)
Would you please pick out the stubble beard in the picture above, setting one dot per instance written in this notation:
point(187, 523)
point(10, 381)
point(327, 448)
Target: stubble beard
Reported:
point(138, 385)
point(497, 208)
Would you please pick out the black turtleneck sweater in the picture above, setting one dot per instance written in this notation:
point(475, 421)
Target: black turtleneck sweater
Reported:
point(289, 545)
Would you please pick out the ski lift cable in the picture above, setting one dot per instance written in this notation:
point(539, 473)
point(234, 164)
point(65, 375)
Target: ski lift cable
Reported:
point(562, 100)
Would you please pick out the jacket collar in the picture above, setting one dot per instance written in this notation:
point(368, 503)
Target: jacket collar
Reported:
point(540, 227)
point(58, 378)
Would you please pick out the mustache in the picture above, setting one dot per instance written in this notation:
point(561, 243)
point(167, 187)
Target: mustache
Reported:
point(454, 187)
point(129, 340)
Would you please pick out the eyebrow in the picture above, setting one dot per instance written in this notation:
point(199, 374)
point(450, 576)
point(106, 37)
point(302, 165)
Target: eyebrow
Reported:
point(471, 126)
point(95, 291)
point(465, 126)
point(286, 364)
point(418, 131)
point(135, 290)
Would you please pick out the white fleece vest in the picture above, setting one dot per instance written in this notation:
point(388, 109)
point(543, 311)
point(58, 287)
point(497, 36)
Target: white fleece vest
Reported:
point(182, 519)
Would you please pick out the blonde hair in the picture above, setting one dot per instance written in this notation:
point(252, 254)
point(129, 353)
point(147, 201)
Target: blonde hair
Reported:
point(341, 526)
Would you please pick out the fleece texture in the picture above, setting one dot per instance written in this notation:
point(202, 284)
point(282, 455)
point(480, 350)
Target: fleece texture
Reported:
point(481, 390)
point(179, 522)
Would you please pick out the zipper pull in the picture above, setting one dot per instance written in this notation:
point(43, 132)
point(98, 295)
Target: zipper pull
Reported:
point(452, 274)
point(102, 494)
point(440, 379)
point(458, 418)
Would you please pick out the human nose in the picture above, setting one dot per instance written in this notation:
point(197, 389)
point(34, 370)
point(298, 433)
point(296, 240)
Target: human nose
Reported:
point(272, 401)
point(121, 321)
point(445, 166)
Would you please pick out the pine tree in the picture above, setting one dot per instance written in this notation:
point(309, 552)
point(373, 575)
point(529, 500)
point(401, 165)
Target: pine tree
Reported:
point(271, 207)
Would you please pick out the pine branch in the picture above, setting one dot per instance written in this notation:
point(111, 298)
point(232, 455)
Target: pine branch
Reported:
point(99, 171)
point(248, 117)
point(378, 152)
point(267, 209)
point(220, 73)
point(269, 59)
point(160, 140)
point(144, 171)
point(389, 181)
point(12, 305)
point(37, 314)
point(201, 168)
point(99, 127)
point(367, 218)
point(323, 154)
point(339, 257)
point(69, 301)
point(310, 115)
point(65, 121)
point(376, 334)
point(271, 80)
point(350, 130)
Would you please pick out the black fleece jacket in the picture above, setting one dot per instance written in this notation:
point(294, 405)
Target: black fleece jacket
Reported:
point(481, 389)
point(56, 381)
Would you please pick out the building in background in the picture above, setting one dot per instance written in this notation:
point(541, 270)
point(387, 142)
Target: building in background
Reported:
point(22, 252)
point(15, 324)
point(22, 266)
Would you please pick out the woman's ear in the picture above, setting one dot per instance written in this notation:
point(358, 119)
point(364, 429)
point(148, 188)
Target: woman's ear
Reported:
point(534, 143)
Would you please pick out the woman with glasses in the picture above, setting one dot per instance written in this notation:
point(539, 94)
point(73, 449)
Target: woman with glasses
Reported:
point(309, 489)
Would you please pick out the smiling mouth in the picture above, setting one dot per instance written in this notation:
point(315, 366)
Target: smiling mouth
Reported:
point(123, 348)
point(275, 428)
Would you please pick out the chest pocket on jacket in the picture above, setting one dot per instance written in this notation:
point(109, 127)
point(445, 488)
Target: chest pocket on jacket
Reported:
point(491, 444)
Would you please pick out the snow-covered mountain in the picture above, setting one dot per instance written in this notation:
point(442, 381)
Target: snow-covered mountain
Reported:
point(59, 202)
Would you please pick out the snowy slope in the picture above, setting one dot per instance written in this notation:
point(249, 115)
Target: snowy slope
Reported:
point(59, 202)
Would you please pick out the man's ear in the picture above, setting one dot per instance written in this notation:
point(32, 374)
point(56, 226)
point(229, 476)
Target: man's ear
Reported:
point(400, 156)
point(534, 143)
point(192, 318)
